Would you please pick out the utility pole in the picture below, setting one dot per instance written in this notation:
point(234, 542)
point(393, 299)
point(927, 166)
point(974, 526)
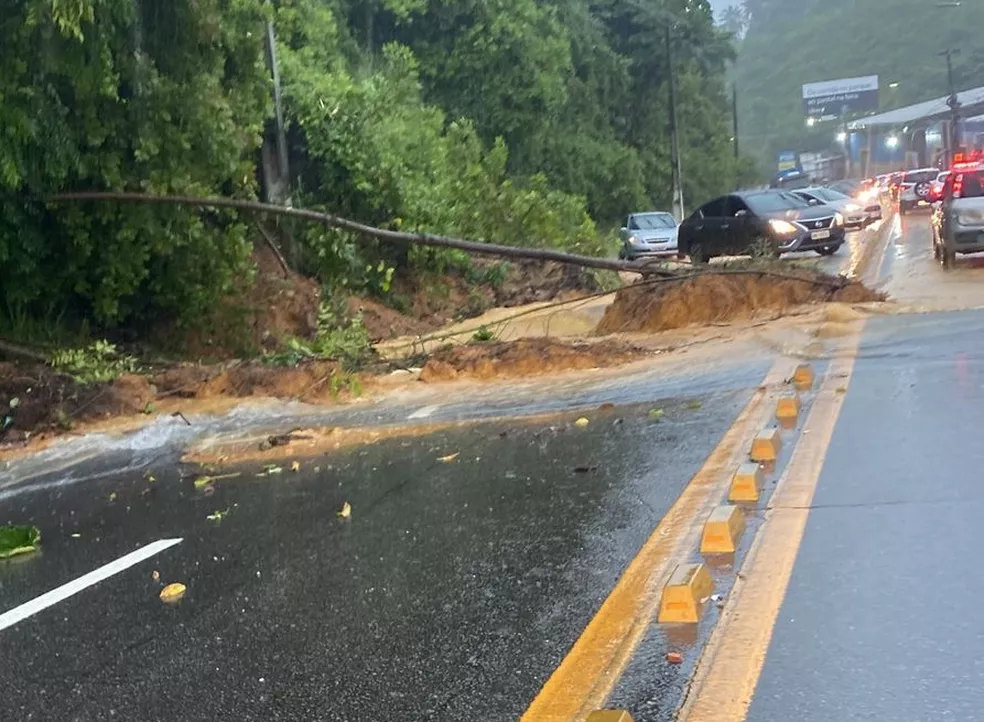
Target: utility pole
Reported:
point(953, 137)
point(678, 207)
point(734, 117)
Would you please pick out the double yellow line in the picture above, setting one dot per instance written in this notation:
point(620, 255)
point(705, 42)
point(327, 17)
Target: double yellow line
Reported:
point(732, 662)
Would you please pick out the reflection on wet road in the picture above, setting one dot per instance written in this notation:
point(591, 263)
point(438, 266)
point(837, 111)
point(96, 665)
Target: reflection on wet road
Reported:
point(452, 592)
point(882, 619)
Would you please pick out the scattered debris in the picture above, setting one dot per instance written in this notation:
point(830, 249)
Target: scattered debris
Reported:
point(695, 406)
point(112, 497)
point(449, 458)
point(585, 469)
point(18, 539)
point(218, 515)
point(656, 414)
point(674, 658)
point(346, 511)
point(172, 593)
point(295, 466)
point(156, 576)
point(581, 423)
point(205, 481)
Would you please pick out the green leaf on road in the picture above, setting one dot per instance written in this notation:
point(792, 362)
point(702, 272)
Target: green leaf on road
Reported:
point(656, 414)
point(16, 540)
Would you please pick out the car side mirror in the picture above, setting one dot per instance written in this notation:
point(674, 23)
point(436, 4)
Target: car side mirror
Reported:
point(813, 202)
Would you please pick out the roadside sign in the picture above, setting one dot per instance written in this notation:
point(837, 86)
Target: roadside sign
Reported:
point(787, 161)
point(834, 98)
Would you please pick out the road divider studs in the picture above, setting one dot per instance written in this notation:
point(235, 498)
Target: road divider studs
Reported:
point(685, 594)
point(803, 377)
point(610, 715)
point(788, 408)
point(746, 484)
point(766, 446)
point(723, 530)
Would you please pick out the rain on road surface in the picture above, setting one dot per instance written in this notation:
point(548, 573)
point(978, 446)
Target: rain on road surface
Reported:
point(451, 593)
point(882, 618)
point(456, 589)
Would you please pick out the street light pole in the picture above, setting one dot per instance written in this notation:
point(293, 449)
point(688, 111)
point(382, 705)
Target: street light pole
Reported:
point(953, 137)
point(678, 207)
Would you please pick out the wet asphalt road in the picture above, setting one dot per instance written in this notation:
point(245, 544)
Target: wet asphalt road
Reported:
point(883, 618)
point(451, 593)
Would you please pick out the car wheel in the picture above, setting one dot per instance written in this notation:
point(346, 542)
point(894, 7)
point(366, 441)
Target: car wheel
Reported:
point(698, 256)
point(828, 250)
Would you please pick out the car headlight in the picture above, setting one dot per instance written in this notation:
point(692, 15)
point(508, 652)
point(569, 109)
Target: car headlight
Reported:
point(838, 219)
point(851, 208)
point(783, 228)
point(970, 218)
point(634, 240)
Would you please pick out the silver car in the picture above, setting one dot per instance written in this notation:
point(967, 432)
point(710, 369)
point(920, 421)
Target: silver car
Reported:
point(958, 218)
point(855, 215)
point(649, 235)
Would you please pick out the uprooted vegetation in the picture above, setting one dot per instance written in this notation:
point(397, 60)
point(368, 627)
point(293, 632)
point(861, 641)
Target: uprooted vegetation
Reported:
point(722, 295)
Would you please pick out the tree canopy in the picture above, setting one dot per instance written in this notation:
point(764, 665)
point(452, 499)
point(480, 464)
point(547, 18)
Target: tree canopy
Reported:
point(536, 122)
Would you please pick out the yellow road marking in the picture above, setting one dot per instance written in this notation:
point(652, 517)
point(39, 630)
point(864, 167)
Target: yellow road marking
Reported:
point(730, 667)
point(586, 676)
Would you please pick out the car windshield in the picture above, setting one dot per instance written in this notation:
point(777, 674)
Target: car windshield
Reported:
point(651, 222)
point(828, 194)
point(773, 202)
point(920, 176)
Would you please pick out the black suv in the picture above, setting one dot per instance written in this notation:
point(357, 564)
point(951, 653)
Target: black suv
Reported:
point(747, 223)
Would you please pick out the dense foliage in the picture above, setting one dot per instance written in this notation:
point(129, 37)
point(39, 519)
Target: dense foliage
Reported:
point(792, 42)
point(535, 122)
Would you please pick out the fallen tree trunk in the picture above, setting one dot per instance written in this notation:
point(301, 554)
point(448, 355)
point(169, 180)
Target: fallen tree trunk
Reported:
point(424, 239)
point(12, 350)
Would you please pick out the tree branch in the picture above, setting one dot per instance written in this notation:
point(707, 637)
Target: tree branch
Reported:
point(424, 239)
point(13, 350)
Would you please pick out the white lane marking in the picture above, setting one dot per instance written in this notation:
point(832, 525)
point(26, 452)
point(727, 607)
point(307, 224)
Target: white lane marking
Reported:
point(60, 594)
point(424, 412)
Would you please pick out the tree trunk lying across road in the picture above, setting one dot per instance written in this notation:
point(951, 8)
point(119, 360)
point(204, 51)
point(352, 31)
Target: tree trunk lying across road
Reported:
point(424, 239)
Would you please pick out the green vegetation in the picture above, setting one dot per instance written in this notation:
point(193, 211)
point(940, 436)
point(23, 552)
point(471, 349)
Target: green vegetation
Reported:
point(16, 540)
point(792, 42)
point(346, 341)
point(533, 122)
point(94, 364)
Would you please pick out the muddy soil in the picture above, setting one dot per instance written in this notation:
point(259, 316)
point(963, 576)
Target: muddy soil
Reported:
point(724, 295)
point(525, 357)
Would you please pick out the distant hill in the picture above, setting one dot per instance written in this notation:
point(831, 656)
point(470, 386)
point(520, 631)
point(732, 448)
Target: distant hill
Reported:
point(792, 42)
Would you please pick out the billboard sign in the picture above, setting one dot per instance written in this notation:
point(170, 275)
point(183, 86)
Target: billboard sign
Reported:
point(834, 98)
point(787, 161)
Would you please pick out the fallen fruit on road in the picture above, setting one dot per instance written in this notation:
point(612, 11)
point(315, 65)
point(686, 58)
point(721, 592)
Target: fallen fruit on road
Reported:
point(17, 539)
point(674, 658)
point(173, 592)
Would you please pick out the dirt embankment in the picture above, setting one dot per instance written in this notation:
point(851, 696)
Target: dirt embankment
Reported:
point(525, 357)
point(722, 296)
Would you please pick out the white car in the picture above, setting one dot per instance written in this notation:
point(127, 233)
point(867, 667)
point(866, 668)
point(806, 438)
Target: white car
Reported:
point(915, 189)
point(855, 215)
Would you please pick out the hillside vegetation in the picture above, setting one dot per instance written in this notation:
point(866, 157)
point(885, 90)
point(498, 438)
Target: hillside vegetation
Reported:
point(534, 122)
point(792, 42)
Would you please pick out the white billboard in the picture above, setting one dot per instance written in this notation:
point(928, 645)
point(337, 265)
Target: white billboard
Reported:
point(838, 97)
